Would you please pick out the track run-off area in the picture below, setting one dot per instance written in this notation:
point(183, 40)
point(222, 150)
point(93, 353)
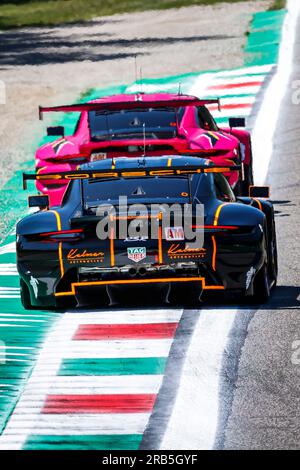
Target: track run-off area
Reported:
point(138, 378)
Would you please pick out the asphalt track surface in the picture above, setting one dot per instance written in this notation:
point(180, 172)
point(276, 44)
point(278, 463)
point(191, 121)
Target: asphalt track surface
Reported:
point(266, 404)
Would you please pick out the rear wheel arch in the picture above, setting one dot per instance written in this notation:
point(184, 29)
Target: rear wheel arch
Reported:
point(43, 221)
point(261, 285)
point(268, 209)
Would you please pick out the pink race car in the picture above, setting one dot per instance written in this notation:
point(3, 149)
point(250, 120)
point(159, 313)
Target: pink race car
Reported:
point(140, 124)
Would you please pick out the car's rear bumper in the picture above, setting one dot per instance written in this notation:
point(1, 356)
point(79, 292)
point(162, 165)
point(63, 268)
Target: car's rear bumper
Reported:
point(231, 267)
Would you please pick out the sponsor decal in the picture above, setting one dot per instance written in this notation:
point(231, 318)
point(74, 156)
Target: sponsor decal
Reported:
point(136, 239)
point(136, 254)
point(211, 137)
point(132, 174)
point(84, 256)
point(249, 276)
point(174, 233)
point(139, 191)
point(35, 285)
point(176, 251)
point(98, 156)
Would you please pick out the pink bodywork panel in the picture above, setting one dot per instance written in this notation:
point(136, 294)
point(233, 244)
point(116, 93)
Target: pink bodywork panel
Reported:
point(65, 154)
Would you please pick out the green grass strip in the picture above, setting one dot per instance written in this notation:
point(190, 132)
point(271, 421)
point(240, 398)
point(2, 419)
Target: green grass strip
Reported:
point(42, 12)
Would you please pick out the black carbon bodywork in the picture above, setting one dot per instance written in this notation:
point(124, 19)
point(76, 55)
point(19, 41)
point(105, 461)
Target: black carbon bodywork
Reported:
point(62, 261)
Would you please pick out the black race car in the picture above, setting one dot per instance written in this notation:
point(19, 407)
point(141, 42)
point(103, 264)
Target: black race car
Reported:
point(93, 246)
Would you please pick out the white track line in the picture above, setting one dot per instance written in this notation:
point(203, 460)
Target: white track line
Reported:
point(6, 288)
point(8, 270)
point(22, 316)
point(124, 316)
point(79, 424)
point(265, 125)
point(9, 273)
point(231, 112)
point(235, 100)
point(256, 69)
point(94, 385)
point(10, 296)
point(201, 84)
point(110, 349)
point(205, 78)
point(20, 320)
point(220, 80)
point(194, 418)
point(8, 248)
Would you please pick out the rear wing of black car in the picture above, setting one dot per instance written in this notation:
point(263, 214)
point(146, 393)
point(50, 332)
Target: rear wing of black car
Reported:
point(134, 172)
point(181, 101)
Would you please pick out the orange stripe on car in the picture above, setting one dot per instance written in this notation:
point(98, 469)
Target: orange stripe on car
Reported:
point(259, 204)
point(160, 256)
point(58, 223)
point(40, 169)
point(214, 135)
point(217, 214)
point(138, 281)
point(214, 253)
point(112, 243)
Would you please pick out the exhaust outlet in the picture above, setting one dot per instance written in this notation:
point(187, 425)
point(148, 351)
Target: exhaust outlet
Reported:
point(132, 272)
point(142, 272)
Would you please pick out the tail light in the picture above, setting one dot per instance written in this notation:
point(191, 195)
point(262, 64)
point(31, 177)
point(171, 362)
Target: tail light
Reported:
point(62, 235)
point(219, 229)
point(72, 158)
point(216, 228)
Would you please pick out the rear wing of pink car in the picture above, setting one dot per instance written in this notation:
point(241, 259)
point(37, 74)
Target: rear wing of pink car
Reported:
point(181, 101)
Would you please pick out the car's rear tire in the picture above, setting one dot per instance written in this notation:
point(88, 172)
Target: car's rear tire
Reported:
point(25, 295)
point(272, 253)
point(26, 300)
point(261, 286)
